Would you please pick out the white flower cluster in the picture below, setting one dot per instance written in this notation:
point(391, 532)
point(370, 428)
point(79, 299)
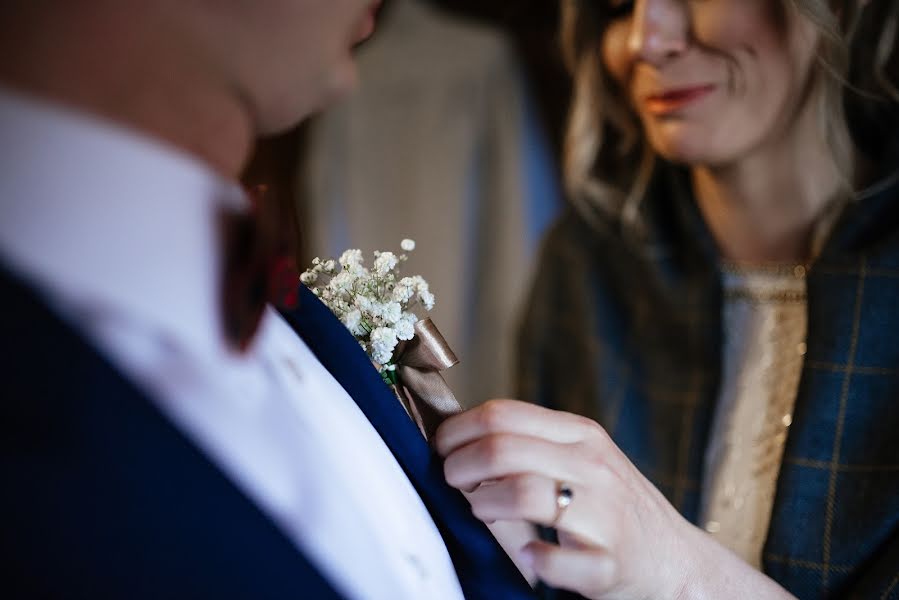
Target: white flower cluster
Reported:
point(374, 304)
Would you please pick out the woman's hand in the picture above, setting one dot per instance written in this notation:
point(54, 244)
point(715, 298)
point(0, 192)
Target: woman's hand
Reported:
point(619, 537)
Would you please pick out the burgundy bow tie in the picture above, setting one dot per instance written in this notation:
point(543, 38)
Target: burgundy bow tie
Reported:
point(245, 283)
point(258, 269)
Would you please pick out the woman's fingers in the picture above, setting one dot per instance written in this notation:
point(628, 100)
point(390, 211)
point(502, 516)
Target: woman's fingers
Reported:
point(589, 572)
point(616, 531)
point(515, 417)
point(498, 456)
point(525, 497)
point(534, 498)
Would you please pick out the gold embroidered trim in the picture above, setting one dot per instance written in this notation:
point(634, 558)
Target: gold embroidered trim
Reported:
point(797, 270)
point(781, 297)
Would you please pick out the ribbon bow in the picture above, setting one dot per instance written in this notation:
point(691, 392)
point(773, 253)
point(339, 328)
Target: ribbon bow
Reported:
point(420, 387)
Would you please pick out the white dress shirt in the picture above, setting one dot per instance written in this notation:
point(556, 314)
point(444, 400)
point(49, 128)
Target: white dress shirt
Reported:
point(119, 233)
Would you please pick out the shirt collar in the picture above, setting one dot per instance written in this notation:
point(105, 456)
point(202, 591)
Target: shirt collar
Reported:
point(102, 216)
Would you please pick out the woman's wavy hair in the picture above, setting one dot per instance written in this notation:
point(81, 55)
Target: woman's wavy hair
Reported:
point(608, 163)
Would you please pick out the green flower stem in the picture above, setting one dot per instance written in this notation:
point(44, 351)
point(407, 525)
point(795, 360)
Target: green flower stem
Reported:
point(388, 376)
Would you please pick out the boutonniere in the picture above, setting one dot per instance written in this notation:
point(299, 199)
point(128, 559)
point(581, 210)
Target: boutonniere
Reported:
point(378, 307)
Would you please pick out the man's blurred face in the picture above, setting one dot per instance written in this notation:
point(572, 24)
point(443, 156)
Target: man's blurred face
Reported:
point(286, 58)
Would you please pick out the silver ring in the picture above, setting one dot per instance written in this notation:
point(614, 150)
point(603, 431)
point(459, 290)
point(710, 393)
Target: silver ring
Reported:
point(564, 496)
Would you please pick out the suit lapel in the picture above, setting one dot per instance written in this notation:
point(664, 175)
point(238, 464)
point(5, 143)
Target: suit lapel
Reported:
point(483, 567)
point(104, 497)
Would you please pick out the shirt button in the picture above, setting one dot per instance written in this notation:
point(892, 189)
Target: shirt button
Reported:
point(787, 420)
point(293, 368)
point(417, 566)
point(801, 348)
point(713, 526)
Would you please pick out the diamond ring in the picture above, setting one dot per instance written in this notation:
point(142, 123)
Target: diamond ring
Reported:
point(564, 496)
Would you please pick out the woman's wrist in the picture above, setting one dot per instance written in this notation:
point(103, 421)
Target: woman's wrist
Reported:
point(716, 572)
point(688, 581)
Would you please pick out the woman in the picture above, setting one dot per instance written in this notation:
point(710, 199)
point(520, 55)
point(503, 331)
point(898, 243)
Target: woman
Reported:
point(721, 300)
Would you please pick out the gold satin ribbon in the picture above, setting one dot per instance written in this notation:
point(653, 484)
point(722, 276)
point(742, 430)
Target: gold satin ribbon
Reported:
point(420, 387)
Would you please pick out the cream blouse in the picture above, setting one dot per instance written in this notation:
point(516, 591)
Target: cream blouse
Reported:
point(765, 320)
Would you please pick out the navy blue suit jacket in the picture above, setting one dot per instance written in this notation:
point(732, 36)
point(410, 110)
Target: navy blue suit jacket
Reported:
point(102, 497)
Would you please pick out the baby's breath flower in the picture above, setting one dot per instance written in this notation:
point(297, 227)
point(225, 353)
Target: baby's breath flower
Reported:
point(391, 312)
point(383, 341)
point(351, 258)
point(362, 303)
point(342, 281)
point(339, 305)
point(405, 327)
point(427, 299)
point(353, 321)
point(417, 283)
point(376, 310)
point(385, 262)
point(373, 305)
point(404, 290)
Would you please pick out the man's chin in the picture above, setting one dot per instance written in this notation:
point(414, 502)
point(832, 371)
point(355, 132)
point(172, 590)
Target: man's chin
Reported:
point(292, 110)
point(342, 81)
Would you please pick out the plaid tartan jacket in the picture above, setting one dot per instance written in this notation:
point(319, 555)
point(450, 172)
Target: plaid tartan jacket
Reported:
point(628, 331)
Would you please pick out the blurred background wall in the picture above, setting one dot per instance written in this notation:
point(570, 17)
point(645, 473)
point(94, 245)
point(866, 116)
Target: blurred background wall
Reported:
point(451, 139)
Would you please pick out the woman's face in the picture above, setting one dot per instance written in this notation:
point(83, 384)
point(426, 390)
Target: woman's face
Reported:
point(711, 80)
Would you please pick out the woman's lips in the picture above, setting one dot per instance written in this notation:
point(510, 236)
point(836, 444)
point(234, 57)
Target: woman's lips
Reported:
point(673, 100)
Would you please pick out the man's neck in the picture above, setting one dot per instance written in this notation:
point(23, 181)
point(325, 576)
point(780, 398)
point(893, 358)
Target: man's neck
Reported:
point(133, 80)
point(764, 208)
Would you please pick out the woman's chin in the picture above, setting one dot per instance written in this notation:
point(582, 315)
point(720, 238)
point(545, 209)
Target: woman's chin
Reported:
point(685, 148)
point(694, 145)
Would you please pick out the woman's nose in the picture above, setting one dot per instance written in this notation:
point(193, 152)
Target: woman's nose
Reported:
point(659, 30)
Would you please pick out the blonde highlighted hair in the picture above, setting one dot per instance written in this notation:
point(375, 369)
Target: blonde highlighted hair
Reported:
point(608, 164)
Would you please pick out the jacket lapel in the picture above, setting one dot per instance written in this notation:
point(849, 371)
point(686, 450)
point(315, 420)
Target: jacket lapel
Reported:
point(104, 497)
point(484, 569)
